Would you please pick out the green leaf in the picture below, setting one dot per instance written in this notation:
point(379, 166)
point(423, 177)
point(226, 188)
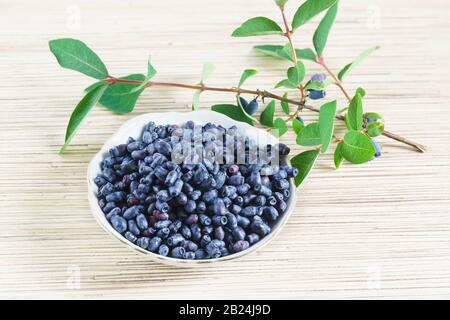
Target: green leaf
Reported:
point(304, 162)
point(279, 127)
point(151, 72)
point(309, 10)
point(281, 3)
point(122, 97)
point(234, 112)
point(196, 100)
point(357, 148)
point(92, 86)
point(208, 68)
point(374, 129)
point(266, 118)
point(296, 74)
point(361, 92)
point(315, 85)
point(354, 117)
point(285, 105)
point(306, 54)
point(373, 115)
point(285, 52)
point(257, 27)
point(326, 123)
point(323, 30)
point(297, 126)
point(285, 84)
point(309, 136)
point(357, 61)
point(338, 158)
point(278, 51)
point(81, 111)
point(75, 55)
point(269, 50)
point(245, 75)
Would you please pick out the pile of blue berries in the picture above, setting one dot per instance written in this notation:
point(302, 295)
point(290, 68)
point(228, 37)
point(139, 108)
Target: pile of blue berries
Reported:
point(189, 206)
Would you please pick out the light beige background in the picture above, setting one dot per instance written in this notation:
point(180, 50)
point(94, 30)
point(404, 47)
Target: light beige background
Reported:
point(378, 230)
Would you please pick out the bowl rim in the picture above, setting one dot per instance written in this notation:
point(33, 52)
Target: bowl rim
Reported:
point(201, 117)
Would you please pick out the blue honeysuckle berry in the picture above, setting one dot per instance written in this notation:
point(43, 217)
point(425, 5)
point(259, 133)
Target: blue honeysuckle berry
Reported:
point(218, 220)
point(300, 119)
point(260, 228)
point(188, 233)
point(190, 245)
point(239, 233)
point(204, 220)
point(131, 213)
point(270, 213)
point(369, 120)
point(205, 239)
point(243, 102)
point(141, 222)
point(154, 244)
point(201, 207)
point(377, 148)
point(219, 233)
point(134, 229)
point(252, 107)
point(119, 223)
point(143, 242)
point(178, 252)
point(190, 206)
point(191, 219)
point(174, 240)
point(130, 237)
point(231, 220)
point(200, 254)
point(189, 255)
point(114, 212)
point(252, 238)
point(317, 94)
point(240, 245)
point(109, 206)
point(163, 250)
point(208, 230)
point(163, 233)
point(319, 77)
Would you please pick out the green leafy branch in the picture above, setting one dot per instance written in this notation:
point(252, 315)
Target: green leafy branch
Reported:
point(120, 94)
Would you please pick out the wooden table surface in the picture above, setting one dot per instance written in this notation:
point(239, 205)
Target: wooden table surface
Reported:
point(379, 230)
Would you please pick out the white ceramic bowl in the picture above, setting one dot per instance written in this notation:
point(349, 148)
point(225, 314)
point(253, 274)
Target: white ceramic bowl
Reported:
point(133, 128)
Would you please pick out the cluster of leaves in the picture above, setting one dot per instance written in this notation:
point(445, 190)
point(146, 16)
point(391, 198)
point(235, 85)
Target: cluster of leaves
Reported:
point(120, 94)
point(118, 97)
point(356, 146)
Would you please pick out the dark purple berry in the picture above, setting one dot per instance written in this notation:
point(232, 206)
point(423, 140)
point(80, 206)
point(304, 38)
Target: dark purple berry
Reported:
point(317, 94)
point(233, 169)
point(240, 245)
